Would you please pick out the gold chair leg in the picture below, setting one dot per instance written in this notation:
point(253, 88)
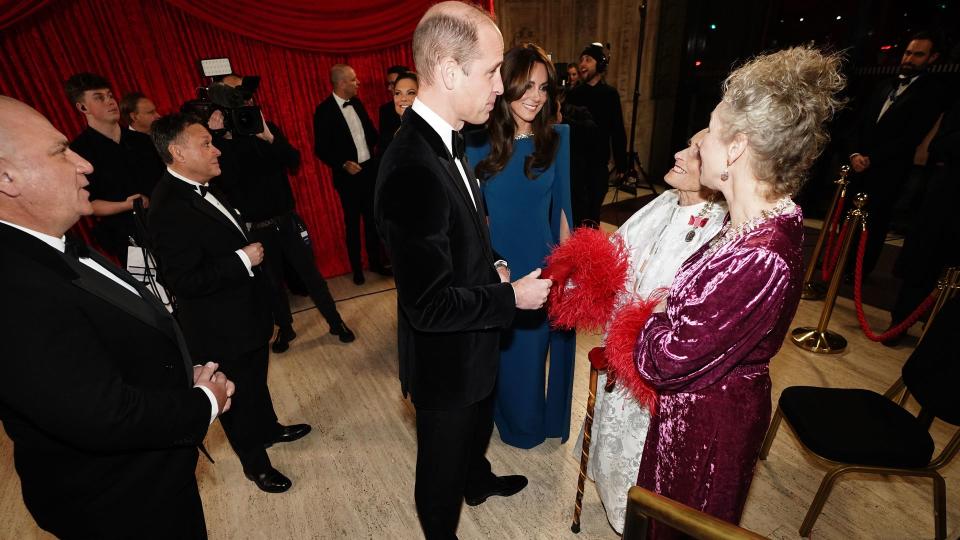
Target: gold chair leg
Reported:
point(940, 506)
point(820, 499)
point(771, 433)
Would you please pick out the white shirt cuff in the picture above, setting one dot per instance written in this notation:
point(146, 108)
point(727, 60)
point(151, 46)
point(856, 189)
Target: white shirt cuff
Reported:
point(246, 261)
point(213, 402)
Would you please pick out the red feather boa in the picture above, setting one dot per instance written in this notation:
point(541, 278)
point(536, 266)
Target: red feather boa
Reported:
point(622, 334)
point(589, 271)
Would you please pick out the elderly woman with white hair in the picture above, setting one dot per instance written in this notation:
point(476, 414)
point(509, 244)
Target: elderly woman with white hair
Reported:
point(706, 350)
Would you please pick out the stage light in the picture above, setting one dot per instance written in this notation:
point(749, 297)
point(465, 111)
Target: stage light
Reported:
point(801, 19)
point(713, 26)
point(839, 17)
point(697, 63)
point(886, 47)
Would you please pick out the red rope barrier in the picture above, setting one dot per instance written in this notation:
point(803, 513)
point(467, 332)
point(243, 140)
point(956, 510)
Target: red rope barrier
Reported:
point(831, 257)
point(832, 242)
point(858, 301)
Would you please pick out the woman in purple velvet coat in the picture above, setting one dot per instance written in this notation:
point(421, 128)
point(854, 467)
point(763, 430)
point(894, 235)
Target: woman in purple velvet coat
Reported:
point(706, 349)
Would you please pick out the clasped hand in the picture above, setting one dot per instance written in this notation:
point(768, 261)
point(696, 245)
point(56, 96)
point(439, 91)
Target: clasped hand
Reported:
point(208, 377)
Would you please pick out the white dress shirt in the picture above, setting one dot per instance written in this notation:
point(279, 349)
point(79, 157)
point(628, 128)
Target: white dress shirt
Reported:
point(223, 210)
point(356, 128)
point(445, 131)
point(900, 90)
point(60, 244)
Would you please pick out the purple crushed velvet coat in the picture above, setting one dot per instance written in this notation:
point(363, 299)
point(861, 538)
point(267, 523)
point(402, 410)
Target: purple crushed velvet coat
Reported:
point(708, 358)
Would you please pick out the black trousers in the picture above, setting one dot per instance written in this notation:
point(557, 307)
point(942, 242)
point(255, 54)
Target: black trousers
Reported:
point(587, 193)
point(356, 199)
point(251, 421)
point(451, 448)
point(282, 242)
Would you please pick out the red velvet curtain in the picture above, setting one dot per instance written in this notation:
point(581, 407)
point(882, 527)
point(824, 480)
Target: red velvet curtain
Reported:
point(152, 46)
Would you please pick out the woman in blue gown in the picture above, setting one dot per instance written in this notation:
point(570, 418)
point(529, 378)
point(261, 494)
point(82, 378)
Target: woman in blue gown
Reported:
point(523, 162)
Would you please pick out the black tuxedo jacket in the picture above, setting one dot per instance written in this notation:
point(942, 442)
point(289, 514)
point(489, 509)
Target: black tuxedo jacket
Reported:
point(333, 143)
point(96, 392)
point(451, 302)
point(223, 311)
point(891, 142)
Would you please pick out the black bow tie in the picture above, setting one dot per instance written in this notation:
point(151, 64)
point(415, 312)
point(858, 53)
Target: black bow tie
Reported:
point(76, 248)
point(348, 103)
point(459, 146)
point(202, 190)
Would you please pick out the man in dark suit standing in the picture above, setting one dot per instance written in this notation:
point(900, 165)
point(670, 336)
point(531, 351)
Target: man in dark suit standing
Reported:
point(104, 430)
point(344, 139)
point(453, 293)
point(892, 123)
point(223, 301)
point(599, 139)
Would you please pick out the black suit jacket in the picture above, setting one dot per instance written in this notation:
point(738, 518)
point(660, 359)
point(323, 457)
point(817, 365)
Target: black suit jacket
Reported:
point(223, 311)
point(451, 302)
point(389, 124)
point(333, 143)
point(891, 142)
point(96, 393)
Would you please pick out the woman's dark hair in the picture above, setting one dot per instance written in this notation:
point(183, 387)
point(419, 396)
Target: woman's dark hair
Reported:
point(407, 75)
point(518, 62)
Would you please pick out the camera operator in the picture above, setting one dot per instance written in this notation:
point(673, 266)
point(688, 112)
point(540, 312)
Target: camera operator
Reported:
point(126, 165)
point(255, 179)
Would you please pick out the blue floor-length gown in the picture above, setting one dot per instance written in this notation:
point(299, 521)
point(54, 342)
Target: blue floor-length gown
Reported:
point(524, 215)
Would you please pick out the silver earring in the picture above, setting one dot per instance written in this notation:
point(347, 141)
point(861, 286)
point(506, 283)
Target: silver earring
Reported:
point(724, 176)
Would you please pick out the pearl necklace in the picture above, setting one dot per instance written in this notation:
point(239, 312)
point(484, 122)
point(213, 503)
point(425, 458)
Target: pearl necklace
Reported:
point(520, 136)
point(730, 233)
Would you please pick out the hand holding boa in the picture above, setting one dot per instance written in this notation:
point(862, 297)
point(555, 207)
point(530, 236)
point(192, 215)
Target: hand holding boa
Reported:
point(589, 271)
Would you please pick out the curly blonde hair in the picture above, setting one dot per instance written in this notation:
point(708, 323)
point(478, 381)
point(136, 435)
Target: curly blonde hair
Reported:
point(781, 101)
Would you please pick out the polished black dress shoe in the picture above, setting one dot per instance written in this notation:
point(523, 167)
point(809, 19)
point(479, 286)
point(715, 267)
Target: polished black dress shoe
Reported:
point(503, 486)
point(358, 278)
point(341, 331)
point(284, 337)
point(271, 480)
point(289, 434)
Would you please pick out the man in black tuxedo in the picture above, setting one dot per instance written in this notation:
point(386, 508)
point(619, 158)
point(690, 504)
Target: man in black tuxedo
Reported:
point(126, 166)
point(222, 297)
point(344, 139)
point(105, 431)
point(892, 123)
point(453, 293)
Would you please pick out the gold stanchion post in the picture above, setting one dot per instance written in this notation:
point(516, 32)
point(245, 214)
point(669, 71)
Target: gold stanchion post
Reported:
point(814, 289)
point(820, 340)
point(948, 285)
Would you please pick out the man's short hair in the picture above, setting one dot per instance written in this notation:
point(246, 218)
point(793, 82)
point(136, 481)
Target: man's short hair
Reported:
point(128, 104)
point(927, 36)
point(168, 129)
point(79, 83)
point(398, 69)
point(338, 72)
point(441, 34)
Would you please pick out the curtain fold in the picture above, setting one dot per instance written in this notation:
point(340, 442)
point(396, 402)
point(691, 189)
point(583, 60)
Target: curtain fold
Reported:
point(347, 26)
point(14, 11)
point(154, 47)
